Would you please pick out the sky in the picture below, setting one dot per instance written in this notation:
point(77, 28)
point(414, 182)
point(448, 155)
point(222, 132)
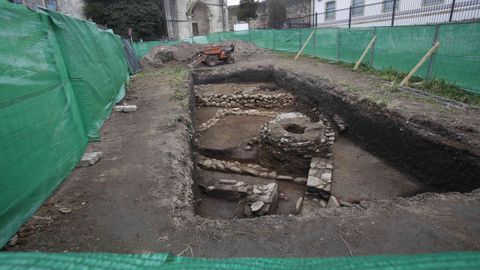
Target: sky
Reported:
point(234, 2)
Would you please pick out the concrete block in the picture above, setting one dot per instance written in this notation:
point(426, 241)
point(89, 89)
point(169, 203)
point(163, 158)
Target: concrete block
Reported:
point(89, 159)
point(125, 108)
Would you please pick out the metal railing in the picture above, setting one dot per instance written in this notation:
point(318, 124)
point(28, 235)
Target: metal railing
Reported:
point(390, 13)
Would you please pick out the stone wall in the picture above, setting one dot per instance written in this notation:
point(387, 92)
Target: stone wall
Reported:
point(295, 8)
point(68, 7)
point(72, 7)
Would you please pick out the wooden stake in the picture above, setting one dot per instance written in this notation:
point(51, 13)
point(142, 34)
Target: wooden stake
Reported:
point(365, 52)
point(420, 63)
point(304, 45)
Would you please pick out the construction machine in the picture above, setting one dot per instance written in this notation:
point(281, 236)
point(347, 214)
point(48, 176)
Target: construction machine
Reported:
point(213, 55)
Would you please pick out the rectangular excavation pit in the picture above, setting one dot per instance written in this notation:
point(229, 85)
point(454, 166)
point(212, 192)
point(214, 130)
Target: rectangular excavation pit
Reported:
point(231, 169)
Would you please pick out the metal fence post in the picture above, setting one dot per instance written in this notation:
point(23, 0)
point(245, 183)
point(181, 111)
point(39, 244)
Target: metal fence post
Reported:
point(316, 19)
point(393, 11)
point(350, 17)
point(432, 58)
point(451, 11)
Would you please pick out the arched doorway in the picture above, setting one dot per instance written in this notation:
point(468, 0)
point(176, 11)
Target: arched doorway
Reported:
point(200, 19)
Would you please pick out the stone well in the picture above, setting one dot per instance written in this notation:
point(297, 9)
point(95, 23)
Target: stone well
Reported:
point(289, 142)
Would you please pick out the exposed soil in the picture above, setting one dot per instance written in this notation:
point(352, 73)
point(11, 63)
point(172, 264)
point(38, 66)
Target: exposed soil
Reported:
point(139, 197)
point(358, 176)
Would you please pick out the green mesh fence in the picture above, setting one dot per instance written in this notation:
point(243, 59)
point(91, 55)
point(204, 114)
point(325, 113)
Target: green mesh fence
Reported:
point(74, 261)
point(59, 78)
point(397, 48)
point(326, 40)
point(400, 48)
point(353, 42)
point(458, 58)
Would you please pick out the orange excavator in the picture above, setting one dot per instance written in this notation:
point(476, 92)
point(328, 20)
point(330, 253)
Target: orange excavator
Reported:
point(213, 55)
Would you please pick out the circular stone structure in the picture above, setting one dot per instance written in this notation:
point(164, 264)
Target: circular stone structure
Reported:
point(289, 141)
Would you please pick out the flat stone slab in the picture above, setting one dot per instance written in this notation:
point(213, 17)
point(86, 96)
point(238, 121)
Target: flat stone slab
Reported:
point(319, 181)
point(90, 159)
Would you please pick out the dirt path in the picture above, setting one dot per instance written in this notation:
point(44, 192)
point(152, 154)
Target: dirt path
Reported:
point(138, 199)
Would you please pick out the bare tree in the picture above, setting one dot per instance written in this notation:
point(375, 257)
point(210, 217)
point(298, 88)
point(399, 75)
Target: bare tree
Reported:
point(277, 13)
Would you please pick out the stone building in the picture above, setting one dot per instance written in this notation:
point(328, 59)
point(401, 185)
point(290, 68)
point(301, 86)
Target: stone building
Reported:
point(69, 7)
point(195, 17)
point(300, 9)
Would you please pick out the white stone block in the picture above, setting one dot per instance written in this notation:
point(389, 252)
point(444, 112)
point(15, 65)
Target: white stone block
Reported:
point(89, 159)
point(125, 108)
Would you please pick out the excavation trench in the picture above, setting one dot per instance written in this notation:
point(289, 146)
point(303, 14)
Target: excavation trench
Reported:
point(270, 142)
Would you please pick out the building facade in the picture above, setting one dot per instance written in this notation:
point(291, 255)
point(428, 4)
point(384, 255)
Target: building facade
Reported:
point(379, 12)
point(185, 18)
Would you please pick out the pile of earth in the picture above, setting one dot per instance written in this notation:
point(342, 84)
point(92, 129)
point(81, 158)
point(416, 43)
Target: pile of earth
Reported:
point(162, 54)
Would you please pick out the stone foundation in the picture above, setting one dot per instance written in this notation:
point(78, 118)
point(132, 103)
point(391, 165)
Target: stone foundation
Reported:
point(291, 140)
point(282, 100)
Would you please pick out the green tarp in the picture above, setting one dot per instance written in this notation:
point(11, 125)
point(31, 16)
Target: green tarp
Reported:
point(59, 78)
point(398, 48)
point(91, 261)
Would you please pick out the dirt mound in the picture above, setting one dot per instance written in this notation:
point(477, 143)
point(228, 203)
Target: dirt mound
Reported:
point(159, 55)
point(245, 50)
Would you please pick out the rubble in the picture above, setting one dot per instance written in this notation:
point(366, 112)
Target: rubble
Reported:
point(158, 56)
point(340, 123)
point(65, 210)
point(298, 205)
point(90, 159)
point(262, 201)
point(333, 202)
point(13, 241)
point(125, 108)
point(259, 200)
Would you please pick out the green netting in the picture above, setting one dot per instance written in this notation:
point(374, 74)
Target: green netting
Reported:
point(263, 38)
point(59, 78)
point(310, 48)
point(326, 43)
point(457, 60)
point(142, 48)
point(400, 48)
point(74, 261)
point(353, 42)
point(287, 40)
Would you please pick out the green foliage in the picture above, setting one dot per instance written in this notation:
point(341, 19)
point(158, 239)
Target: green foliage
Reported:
point(145, 17)
point(247, 10)
point(277, 13)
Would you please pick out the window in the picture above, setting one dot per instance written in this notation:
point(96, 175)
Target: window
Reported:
point(358, 7)
point(388, 5)
point(330, 10)
point(432, 2)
